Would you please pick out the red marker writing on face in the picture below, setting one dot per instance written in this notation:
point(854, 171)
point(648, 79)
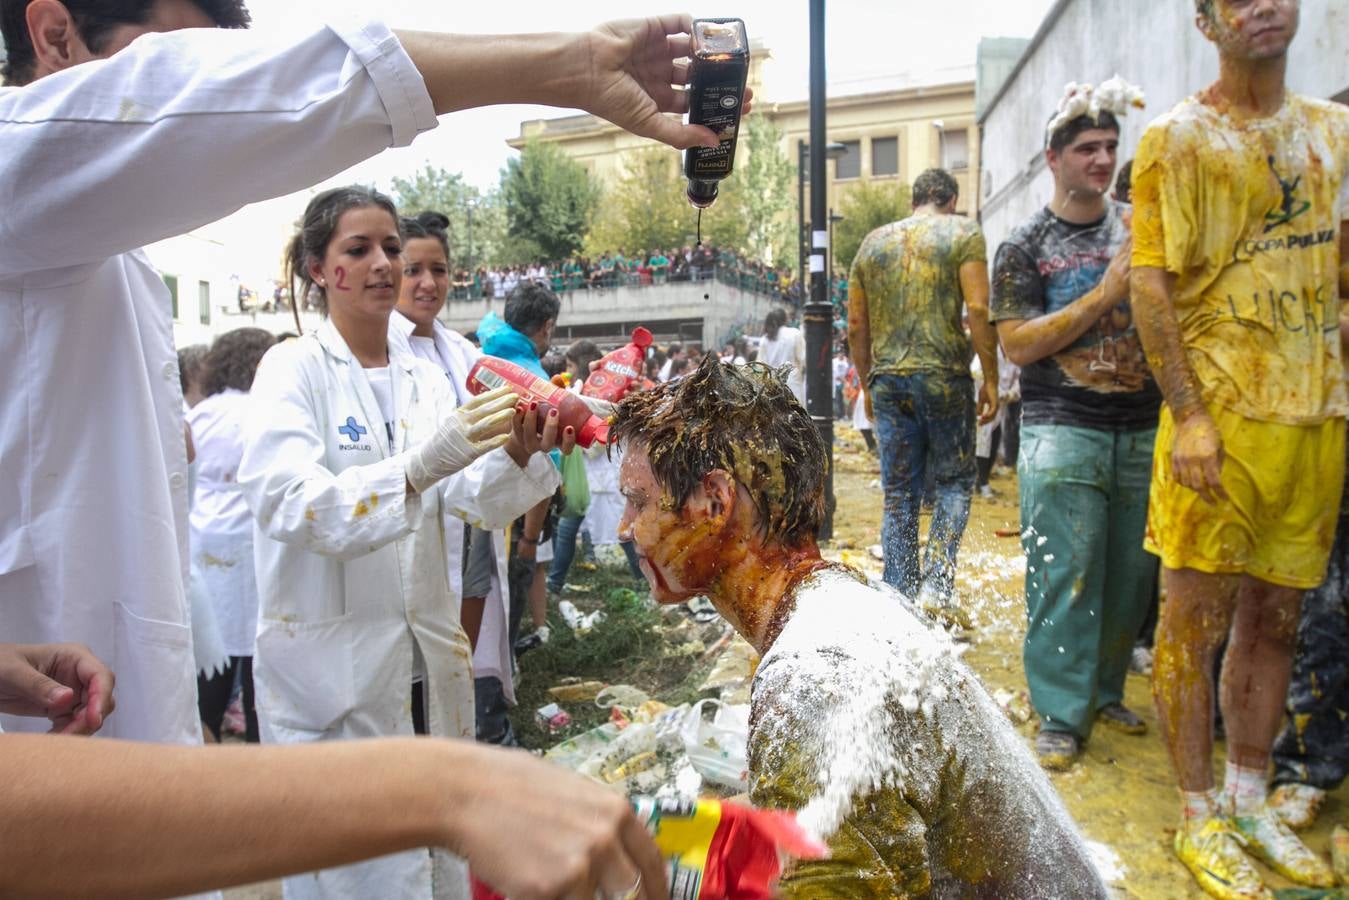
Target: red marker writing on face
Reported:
point(341, 279)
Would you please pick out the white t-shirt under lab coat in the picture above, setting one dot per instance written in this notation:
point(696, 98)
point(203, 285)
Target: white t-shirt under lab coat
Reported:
point(173, 132)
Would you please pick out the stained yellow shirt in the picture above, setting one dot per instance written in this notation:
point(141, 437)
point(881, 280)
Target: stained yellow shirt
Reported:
point(1247, 214)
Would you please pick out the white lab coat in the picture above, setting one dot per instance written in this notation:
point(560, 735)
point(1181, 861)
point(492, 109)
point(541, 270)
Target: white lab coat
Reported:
point(787, 349)
point(455, 355)
point(352, 575)
point(173, 132)
point(221, 539)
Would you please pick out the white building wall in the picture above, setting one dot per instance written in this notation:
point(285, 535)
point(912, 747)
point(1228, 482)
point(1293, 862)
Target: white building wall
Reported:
point(1153, 43)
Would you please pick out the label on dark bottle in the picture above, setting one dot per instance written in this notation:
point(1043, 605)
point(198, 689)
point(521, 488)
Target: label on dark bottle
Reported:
point(716, 95)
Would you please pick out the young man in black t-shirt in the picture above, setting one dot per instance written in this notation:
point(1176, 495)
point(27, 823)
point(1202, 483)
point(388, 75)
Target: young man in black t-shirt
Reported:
point(1089, 416)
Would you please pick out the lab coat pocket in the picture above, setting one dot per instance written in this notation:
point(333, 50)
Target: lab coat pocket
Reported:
point(305, 677)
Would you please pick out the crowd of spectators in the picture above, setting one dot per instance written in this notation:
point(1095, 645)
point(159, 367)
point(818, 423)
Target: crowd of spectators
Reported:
point(619, 269)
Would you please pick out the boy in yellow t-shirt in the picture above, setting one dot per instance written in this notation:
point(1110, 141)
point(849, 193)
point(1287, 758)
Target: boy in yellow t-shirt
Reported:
point(1240, 193)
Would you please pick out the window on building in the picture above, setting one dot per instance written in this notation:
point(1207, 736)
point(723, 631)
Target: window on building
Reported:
point(204, 301)
point(849, 165)
point(955, 149)
point(171, 282)
point(885, 156)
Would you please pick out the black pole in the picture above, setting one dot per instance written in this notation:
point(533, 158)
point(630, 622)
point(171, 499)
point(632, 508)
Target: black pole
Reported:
point(802, 248)
point(818, 315)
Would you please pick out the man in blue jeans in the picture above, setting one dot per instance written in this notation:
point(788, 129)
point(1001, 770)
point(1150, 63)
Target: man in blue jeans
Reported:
point(1089, 418)
point(907, 289)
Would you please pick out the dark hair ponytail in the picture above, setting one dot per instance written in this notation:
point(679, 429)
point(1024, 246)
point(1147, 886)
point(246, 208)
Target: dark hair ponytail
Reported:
point(427, 224)
point(316, 233)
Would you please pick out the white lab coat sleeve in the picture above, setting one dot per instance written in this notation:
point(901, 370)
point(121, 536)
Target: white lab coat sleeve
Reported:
point(184, 128)
point(494, 491)
point(293, 496)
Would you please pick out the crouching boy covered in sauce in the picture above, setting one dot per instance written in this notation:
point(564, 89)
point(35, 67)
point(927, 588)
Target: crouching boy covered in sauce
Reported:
point(862, 720)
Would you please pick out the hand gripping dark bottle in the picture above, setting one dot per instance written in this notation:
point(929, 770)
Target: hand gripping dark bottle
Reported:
point(717, 74)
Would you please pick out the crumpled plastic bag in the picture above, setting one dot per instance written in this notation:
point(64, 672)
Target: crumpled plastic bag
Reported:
point(718, 748)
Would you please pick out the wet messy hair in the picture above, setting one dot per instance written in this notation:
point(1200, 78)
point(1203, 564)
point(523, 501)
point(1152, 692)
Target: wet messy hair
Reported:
point(1069, 130)
point(95, 20)
point(233, 359)
point(743, 420)
point(427, 224)
point(315, 234)
point(1204, 8)
point(936, 186)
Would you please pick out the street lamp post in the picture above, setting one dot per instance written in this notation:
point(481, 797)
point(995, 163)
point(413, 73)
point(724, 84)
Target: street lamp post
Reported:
point(832, 151)
point(818, 314)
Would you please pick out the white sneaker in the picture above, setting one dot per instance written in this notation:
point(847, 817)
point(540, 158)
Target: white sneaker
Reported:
point(1296, 804)
point(1140, 661)
point(987, 492)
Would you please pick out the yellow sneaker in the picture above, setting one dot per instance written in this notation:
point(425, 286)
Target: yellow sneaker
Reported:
point(1272, 842)
point(1212, 853)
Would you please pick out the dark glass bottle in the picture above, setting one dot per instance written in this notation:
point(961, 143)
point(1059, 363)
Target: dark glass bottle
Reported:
point(717, 75)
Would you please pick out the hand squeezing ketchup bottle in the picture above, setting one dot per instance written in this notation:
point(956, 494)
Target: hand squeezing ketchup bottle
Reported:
point(490, 372)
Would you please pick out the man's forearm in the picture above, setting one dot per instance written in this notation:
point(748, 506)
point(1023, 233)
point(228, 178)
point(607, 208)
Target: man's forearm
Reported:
point(1159, 329)
point(463, 71)
point(1026, 341)
point(112, 818)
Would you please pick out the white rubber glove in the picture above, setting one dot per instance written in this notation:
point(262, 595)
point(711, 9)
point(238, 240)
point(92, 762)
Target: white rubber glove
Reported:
point(477, 427)
point(602, 408)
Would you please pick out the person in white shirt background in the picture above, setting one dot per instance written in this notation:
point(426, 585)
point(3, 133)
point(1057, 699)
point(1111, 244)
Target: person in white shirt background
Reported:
point(479, 573)
point(93, 532)
point(221, 538)
point(783, 345)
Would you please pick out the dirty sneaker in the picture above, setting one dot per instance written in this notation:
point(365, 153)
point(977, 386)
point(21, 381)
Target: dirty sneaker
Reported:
point(1057, 750)
point(1297, 804)
point(1269, 840)
point(532, 641)
point(1211, 850)
point(1140, 661)
point(1121, 718)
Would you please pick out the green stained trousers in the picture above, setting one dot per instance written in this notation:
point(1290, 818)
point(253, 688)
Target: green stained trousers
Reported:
point(1084, 501)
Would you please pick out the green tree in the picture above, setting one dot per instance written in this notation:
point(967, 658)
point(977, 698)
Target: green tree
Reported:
point(477, 229)
point(549, 200)
point(865, 207)
point(758, 195)
point(645, 207)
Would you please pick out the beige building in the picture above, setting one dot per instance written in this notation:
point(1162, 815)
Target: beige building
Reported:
point(892, 132)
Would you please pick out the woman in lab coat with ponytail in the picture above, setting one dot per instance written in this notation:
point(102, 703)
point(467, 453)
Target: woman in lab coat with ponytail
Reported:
point(355, 457)
point(477, 566)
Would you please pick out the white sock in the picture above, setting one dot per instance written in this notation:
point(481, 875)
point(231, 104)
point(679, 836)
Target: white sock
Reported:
point(1246, 788)
point(1198, 807)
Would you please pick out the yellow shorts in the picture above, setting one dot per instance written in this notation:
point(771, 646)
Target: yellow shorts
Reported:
point(1284, 484)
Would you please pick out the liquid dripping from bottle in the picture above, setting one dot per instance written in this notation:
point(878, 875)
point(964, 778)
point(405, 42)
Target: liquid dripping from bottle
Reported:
point(700, 227)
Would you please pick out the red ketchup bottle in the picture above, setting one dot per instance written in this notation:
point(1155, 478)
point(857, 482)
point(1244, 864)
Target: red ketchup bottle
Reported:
point(489, 373)
point(621, 370)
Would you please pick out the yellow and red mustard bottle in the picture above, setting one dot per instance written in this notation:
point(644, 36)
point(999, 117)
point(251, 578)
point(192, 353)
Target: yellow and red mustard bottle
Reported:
point(489, 372)
point(621, 370)
point(718, 70)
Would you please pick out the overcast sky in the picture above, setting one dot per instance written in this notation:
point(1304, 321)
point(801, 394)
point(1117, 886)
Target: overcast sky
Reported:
point(866, 39)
